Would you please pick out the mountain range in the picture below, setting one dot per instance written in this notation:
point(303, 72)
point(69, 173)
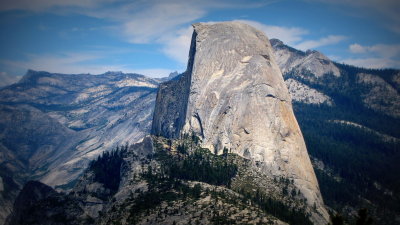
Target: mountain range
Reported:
point(53, 124)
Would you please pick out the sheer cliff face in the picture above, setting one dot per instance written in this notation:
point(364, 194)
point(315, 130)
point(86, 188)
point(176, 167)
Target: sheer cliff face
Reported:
point(236, 98)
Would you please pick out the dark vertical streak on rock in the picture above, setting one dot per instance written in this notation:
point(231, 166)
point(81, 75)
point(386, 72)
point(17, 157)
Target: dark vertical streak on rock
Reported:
point(172, 101)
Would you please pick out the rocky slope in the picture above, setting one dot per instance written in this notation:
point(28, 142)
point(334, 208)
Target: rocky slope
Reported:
point(233, 96)
point(376, 89)
point(52, 125)
point(305, 94)
point(293, 60)
point(148, 192)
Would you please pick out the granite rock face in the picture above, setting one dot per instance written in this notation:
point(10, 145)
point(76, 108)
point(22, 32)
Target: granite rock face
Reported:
point(235, 97)
point(305, 94)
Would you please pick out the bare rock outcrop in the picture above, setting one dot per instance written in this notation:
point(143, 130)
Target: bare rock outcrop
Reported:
point(233, 95)
point(305, 94)
point(291, 60)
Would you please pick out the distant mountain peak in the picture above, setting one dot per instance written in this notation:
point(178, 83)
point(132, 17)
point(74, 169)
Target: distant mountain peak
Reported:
point(30, 76)
point(275, 41)
point(113, 73)
point(173, 74)
point(294, 61)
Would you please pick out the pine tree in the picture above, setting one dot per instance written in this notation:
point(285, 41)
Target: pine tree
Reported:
point(363, 217)
point(337, 220)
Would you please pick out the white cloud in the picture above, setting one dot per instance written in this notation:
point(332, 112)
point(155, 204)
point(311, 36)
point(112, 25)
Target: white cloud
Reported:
point(150, 21)
point(288, 35)
point(374, 63)
point(156, 72)
point(159, 20)
point(65, 63)
point(294, 36)
point(383, 50)
point(7, 79)
point(375, 56)
point(139, 21)
point(177, 46)
point(356, 48)
point(311, 44)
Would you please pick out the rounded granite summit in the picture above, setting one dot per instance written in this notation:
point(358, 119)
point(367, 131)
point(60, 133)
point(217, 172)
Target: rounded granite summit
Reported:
point(233, 96)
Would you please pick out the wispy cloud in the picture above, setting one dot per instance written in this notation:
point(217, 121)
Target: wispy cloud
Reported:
point(164, 19)
point(177, 45)
point(374, 63)
point(375, 56)
point(289, 35)
point(68, 62)
point(7, 79)
point(139, 21)
point(383, 50)
point(294, 36)
point(156, 72)
point(329, 40)
point(152, 21)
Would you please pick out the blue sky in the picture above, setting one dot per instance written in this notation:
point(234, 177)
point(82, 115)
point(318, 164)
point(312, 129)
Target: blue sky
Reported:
point(152, 37)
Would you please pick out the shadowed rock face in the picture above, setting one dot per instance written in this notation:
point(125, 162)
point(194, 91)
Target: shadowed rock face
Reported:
point(39, 204)
point(236, 98)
